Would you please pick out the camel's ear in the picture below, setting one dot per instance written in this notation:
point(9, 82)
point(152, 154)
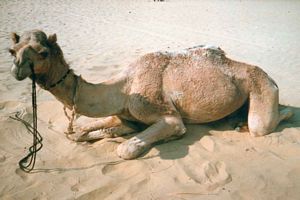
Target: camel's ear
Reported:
point(52, 39)
point(15, 37)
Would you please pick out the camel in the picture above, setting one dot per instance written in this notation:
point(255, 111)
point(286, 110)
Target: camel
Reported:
point(162, 91)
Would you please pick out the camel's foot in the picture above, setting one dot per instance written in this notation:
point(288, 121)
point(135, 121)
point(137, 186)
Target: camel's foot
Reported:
point(108, 127)
point(242, 127)
point(101, 133)
point(92, 135)
point(132, 148)
point(168, 127)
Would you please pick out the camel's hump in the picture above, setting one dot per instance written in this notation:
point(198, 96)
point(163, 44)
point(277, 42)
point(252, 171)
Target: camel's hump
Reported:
point(209, 51)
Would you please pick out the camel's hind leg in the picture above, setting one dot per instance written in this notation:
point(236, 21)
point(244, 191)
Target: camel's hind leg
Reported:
point(264, 114)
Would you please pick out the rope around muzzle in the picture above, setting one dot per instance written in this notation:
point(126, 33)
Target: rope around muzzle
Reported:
point(28, 162)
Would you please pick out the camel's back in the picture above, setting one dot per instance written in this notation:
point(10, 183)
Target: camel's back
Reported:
point(198, 82)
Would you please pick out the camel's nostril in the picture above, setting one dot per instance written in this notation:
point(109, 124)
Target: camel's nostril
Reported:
point(12, 52)
point(16, 62)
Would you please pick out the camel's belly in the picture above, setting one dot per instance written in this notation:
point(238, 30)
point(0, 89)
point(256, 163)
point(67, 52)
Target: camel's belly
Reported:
point(203, 94)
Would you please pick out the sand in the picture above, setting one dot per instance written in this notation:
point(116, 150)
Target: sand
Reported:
point(99, 39)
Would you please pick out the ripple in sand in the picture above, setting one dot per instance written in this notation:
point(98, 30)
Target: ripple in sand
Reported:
point(117, 170)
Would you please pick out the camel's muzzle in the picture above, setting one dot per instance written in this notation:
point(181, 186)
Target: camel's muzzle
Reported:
point(20, 73)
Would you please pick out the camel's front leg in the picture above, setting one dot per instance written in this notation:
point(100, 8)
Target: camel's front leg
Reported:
point(166, 128)
point(107, 127)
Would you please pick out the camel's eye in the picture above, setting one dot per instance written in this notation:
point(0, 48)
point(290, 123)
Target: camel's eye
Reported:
point(44, 54)
point(12, 52)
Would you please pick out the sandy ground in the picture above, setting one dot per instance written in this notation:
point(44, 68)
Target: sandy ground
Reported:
point(99, 39)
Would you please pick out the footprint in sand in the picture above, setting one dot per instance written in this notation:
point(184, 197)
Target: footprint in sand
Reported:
point(75, 188)
point(208, 143)
point(74, 183)
point(209, 174)
point(2, 158)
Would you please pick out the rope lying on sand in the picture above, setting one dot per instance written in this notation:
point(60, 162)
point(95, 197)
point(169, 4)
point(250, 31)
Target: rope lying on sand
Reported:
point(27, 163)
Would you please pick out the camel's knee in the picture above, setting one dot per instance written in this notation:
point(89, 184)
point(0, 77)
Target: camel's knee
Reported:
point(258, 126)
point(263, 110)
point(175, 125)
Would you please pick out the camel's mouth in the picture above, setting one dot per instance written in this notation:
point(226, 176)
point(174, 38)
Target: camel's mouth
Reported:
point(17, 77)
point(20, 78)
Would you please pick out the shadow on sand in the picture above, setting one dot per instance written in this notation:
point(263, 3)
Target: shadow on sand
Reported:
point(178, 149)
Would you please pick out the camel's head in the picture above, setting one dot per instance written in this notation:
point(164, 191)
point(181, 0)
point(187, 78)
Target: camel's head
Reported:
point(31, 51)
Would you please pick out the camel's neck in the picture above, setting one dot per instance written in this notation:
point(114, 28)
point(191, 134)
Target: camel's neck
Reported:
point(102, 99)
point(92, 100)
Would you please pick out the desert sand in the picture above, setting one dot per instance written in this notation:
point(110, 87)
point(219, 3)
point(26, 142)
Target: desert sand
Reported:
point(99, 39)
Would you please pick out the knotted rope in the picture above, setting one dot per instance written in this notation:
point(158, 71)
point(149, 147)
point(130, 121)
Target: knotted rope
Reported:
point(27, 163)
point(71, 119)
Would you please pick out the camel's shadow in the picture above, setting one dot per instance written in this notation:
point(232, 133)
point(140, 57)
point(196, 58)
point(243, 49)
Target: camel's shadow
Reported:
point(180, 148)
